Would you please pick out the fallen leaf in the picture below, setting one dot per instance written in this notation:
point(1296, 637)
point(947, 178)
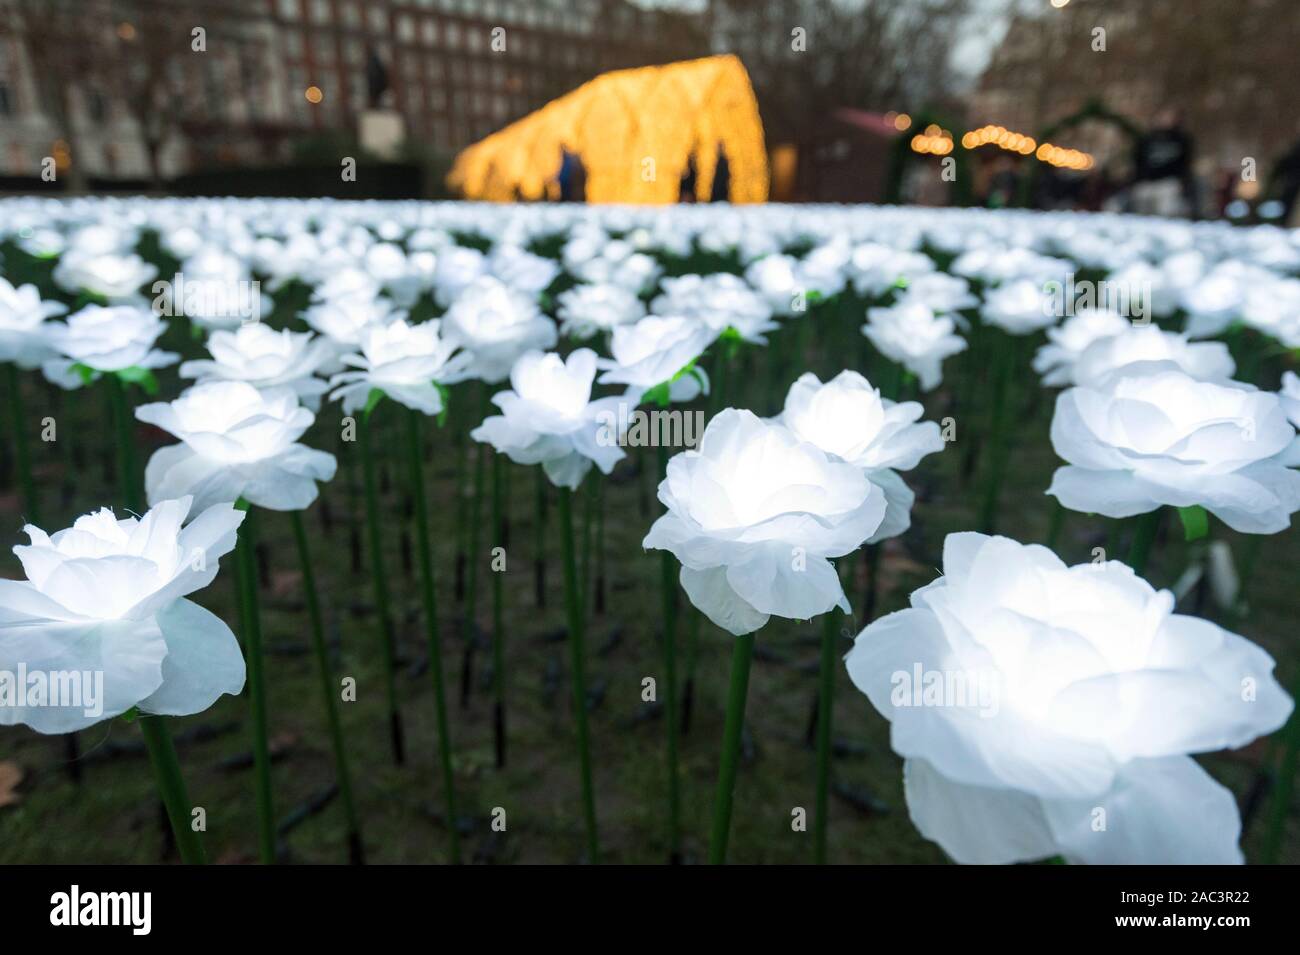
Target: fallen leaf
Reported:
point(11, 774)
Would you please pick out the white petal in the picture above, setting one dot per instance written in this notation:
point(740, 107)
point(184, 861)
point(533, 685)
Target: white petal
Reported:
point(974, 824)
point(203, 661)
point(713, 596)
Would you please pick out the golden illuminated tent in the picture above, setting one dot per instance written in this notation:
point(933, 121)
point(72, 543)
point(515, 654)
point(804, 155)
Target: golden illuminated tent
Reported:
point(634, 130)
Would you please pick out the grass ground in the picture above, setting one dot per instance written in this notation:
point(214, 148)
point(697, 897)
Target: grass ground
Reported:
point(112, 814)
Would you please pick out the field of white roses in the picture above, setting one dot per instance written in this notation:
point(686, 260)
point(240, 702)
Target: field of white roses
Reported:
point(444, 532)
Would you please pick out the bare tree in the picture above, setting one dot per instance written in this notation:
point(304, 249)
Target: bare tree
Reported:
point(806, 57)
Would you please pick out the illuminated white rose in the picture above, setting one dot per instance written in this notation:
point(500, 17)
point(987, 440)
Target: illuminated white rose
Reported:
point(941, 292)
point(406, 362)
point(1273, 307)
point(456, 270)
point(754, 516)
point(776, 278)
point(496, 325)
point(656, 350)
point(236, 442)
point(848, 419)
point(1208, 361)
point(875, 268)
point(266, 358)
point(113, 277)
point(586, 310)
point(523, 271)
point(910, 334)
point(23, 327)
point(107, 596)
point(549, 418)
point(1065, 343)
point(1019, 307)
point(721, 301)
point(344, 320)
point(1031, 700)
point(105, 339)
point(1149, 434)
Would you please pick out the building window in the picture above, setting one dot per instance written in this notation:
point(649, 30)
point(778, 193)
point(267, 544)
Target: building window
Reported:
point(289, 9)
point(6, 100)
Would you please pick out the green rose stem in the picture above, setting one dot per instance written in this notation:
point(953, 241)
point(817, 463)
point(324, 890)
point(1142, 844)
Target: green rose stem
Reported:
point(539, 539)
point(573, 604)
point(22, 452)
point(1143, 537)
point(668, 583)
point(742, 656)
point(498, 630)
point(429, 594)
point(471, 572)
point(1002, 362)
point(356, 846)
point(171, 786)
point(32, 515)
point(688, 690)
point(825, 710)
point(379, 580)
point(126, 460)
point(251, 624)
point(584, 565)
point(1285, 786)
point(1057, 522)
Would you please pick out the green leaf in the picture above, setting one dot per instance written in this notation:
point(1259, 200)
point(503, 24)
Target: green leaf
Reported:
point(813, 297)
point(376, 395)
point(131, 715)
point(658, 395)
point(1196, 523)
point(143, 377)
point(84, 372)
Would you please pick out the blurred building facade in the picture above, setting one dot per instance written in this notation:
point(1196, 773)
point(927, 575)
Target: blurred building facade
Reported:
point(1224, 68)
point(126, 89)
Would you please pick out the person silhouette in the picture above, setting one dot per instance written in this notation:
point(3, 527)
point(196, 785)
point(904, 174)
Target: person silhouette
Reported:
point(721, 191)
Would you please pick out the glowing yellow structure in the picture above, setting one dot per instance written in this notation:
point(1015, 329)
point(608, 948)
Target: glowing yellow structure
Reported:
point(634, 130)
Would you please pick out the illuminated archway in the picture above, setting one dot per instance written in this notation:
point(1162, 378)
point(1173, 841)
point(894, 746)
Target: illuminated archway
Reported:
point(901, 155)
point(634, 130)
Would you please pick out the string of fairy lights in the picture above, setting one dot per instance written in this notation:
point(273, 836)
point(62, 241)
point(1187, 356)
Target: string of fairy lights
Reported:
point(936, 141)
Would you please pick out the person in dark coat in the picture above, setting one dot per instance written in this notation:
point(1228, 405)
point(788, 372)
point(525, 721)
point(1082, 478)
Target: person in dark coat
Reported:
point(572, 177)
point(1163, 183)
point(686, 190)
point(721, 191)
